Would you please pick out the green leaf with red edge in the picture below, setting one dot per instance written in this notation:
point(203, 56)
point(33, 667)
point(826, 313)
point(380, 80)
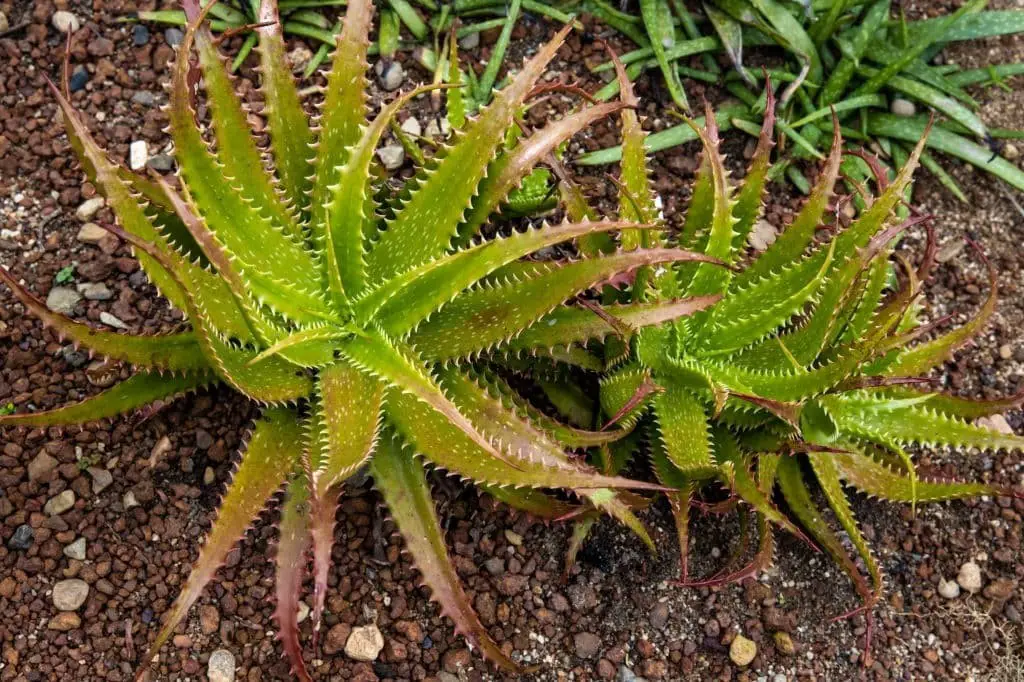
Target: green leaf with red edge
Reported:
point(533, 502)
point(580, 531)
point(402, 482)
point(129, 395)
point(956, 406)
point(290, 136)
point(873, 477)
point(272, 452)
point(173, 352)
point(428, 220)
point(404, 301)
point(289, 568)
point(749, 199)
point(682, 432)
point(485, 317)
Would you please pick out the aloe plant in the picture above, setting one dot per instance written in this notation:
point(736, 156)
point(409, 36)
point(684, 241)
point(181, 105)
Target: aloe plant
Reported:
point(808, 367)
point(348, 314)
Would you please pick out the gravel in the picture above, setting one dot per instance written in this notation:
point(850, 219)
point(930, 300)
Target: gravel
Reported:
point(69, 595)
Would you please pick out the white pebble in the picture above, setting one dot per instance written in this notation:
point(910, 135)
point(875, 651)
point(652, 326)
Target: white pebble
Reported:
point(969, 577)
point(138, 155)
point(903, 107)
point(65, 21)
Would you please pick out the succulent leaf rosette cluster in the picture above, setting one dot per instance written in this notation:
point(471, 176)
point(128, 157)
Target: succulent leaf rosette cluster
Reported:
point(377, 328)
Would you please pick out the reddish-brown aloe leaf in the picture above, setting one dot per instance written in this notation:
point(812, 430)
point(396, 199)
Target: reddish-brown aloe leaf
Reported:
point(402, 482)
point(533, 502)
point(129, 395)
point(174, 352)
point(272, 453)
point(290, 566)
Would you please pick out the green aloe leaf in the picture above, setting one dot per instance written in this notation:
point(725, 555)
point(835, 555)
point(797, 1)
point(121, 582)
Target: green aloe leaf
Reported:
point(872, 477)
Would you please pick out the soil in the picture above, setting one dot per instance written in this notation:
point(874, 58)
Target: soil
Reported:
point(616, 615)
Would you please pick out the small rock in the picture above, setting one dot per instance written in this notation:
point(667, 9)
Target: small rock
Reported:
point(101, 479)
point(469, 41)
point(1000, 589)
point(91, 233)
point(948, 589)
point(434, 129)
point(140, 35)
point(76, 550)
point(65, 21)
point(62, 300)
point(1005, 351)
point(129, 500)
point(60, 503)
point(221, 667)
point(68, 595)
point(209, 619)
point(144, 97)
point(391, 156)
point(204, 441)
point(22, 539)
point(41, 465)
point(298, 58)
point(587, 644)
point(95, 291)
point(902, 107)
point(336, 637)
point(87, 209)
point(73, 356)
point(4, 23)
point(742, 651)
point(65, 621)
point(173, 36)
point(182, 642)
point(1010, 152)
point(950, 250)
point(514, 538)
point(411, 126)
point(389, 74)
point(138, 154)
point(364, 644)
point(996, 422)
point(303, 612)
point(100, 47)
point(626, 675)
point(209, 476)
point(659, 616)
point(162, 163)
point(762, 235)
point(784, 643)
point(79, 77)
point(969, 577)
point(111, 321)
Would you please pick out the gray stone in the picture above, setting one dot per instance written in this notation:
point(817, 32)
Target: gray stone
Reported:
point(62, 300)
point(76, 550)
point(762, 235)
point(174, 36)
point(411, 126)
point(101, 479)
point(588, 645)
point(902, 107)
point(65, 21)
point(469, 41)
point(144, 97)
point(88, 208)
point(79, 77)
point(69, 595)
point(95, 291)
point(140, 35)
point(129, 500)
point(221, 667)
point(22, 539)
point(60, 503)
point(391, 156)
point(41, 465)
point(390, 74)
point(364, 644)
point(111, 321)
point(161, 163)
point(73, 356)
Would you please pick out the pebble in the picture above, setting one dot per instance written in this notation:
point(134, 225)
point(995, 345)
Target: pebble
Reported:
point(173, 36)
point(221, 667)
point(79, 77)
point(1000, 589)
point(91, 233)
point(364, 644)
point(69, 595)
point(411, 126)
point(111, 321)
point(4, 23)
point(626, 675)
point(659, 616)
point(60, 503)
point(76, 550)
point(469, 41)
point(303, 612)
point(140, 35)
point(95, 291)
point(392, 156)
point(298, 58)
point(334, 640)
point(162, 163)
point(996, 422)
point(784, 643)
point(129, 500)
point(969, 577)
point(22, 539)
point(62, 300)
point(209, 619)
point(903, 107)
point(144, 97)
point(514, 538)
point(948, 589)
point(1005, 351)
point(438, 130)
point(138, 154)
point(65, 21)
point(1010, 152)
point(389, 75)
point(587, 644)
point(41, 465)
point(742, 651)
point(88, 208)
point(209, 476)
point(65, 621)
point(101, 479)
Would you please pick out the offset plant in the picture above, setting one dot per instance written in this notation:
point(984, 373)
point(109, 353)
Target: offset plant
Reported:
point(346, 313)
point(810, 362)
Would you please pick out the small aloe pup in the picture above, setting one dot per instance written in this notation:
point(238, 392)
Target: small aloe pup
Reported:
point(810, 362)
point(310, 294)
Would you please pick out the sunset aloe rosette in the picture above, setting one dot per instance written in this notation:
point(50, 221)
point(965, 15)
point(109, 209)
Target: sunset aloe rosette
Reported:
point(808, 368)
point(348, 314)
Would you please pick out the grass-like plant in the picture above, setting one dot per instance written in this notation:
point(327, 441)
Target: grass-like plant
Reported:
point(345, 310)
point(808, 368)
